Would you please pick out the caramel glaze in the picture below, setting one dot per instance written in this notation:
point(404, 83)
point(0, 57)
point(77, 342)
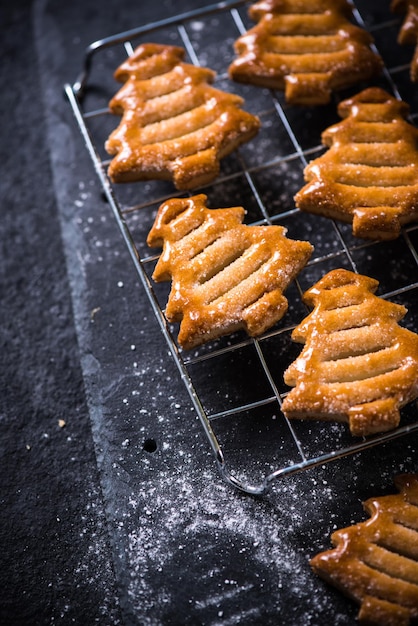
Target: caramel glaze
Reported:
point(357, 365)
point(226, 276)
point(369, 175)
point(307, 48)
point(175, 125)
point(376, 562)
point(408, 34)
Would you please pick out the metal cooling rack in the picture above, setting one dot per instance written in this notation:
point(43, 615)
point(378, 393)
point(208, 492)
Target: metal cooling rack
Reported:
point(235, 383)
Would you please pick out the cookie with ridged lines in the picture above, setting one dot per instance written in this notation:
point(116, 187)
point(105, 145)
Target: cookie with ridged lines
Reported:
point(369, 174)
point(306, 48)
point(358, 365)
point(226, 275)
point(175, 124)
point(408, 34)
point(375, 562)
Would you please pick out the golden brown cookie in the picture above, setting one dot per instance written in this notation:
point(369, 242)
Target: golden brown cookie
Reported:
point(225, 275)
point(408, 34)
point(175, 125)
point(376, 562)
point(357, 364)
point(369, 175)
point(306, 48)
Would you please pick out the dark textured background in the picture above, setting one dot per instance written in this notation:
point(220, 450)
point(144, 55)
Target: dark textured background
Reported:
point(96, 527)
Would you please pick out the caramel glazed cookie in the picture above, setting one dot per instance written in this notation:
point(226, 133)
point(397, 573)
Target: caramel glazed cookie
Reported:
point(226, 276)
point(308, 48)
point(175, 125)
point(357, 365)
point(376, 562)
point(369, 175)
point(408, 34)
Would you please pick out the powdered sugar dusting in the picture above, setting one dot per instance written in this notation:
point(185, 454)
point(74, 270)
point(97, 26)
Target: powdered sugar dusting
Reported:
point(220, 545)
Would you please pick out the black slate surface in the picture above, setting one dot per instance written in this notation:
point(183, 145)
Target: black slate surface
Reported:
point(97, 526)
point(52, 514)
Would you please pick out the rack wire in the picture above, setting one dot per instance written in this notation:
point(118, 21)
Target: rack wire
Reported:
point(236, 383)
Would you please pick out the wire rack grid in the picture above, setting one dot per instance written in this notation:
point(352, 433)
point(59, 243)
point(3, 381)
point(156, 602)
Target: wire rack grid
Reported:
point(236, 383)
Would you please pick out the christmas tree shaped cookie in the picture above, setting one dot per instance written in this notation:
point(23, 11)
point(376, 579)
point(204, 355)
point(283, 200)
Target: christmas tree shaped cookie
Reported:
point(308, 48)
point(408, 34)
point(369, 175)
point(175, 125)
point(357, 364)
point(226, 276)
point(376, 562)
